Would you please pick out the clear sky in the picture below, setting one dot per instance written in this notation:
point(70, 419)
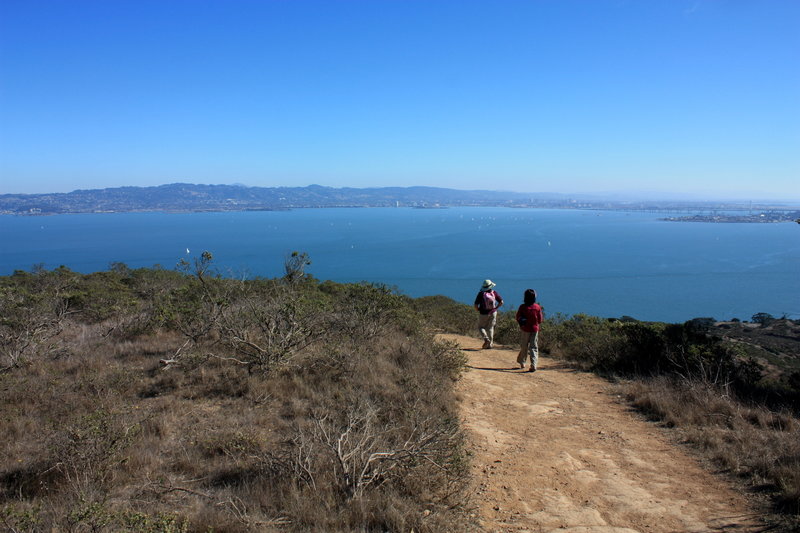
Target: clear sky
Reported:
point(654, 98)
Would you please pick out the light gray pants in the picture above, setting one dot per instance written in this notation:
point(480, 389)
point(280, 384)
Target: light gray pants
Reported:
point(486, 325)
point(528, 345)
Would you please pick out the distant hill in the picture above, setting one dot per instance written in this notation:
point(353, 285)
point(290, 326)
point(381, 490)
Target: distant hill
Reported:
point(189, 197)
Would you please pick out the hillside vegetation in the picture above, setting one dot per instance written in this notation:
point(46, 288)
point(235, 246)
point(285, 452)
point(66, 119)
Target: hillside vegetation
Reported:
point(179, 400)
point(156, 400)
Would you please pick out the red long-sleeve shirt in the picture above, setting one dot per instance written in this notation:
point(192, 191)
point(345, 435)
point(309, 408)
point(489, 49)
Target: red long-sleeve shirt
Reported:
point(533, 315)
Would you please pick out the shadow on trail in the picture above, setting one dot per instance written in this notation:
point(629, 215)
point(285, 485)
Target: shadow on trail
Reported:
point(566, 367)
point(512, 370)
point(720, 524)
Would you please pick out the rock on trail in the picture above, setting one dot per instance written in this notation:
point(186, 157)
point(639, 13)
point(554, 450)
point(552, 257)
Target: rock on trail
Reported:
point(556, 451)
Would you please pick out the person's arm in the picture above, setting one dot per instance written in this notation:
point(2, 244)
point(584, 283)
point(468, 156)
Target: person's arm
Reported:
point(539, 315)
point(499, 298)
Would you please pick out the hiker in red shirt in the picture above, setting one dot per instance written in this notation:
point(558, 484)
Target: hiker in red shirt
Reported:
point(486, 303)
point(529, 316)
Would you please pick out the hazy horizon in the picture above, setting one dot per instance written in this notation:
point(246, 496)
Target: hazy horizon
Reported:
point(614, 196)
point(658, 100)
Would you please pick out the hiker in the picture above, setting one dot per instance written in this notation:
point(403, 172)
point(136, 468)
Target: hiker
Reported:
point(487, 302)
point(529, 316)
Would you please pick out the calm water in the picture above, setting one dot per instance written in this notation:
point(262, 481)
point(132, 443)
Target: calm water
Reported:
point(602, 263)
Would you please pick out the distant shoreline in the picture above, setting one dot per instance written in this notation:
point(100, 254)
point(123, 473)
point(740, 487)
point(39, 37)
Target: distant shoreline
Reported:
point(769, 217)
point(191, 198)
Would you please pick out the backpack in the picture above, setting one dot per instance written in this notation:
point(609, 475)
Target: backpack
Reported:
point(489, 300)
point(522, 320)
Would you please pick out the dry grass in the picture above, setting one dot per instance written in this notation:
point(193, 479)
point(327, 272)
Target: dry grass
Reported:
point(352, 432)
point(752, 443)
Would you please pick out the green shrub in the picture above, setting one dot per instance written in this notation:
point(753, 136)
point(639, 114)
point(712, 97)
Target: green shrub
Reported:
point(444, 314)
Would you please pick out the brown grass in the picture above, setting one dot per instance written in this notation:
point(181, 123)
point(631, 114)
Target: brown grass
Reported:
point(752, 443)
point(351, 432)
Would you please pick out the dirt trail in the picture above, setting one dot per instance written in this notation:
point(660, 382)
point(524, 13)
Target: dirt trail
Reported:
point(555, 450)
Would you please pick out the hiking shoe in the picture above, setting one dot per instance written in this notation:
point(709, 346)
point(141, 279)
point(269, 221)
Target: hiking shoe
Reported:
point(522, 365)
point(486, 345)
point(531, 369)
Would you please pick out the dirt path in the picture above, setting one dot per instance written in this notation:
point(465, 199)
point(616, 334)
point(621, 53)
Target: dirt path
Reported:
point(556, 451)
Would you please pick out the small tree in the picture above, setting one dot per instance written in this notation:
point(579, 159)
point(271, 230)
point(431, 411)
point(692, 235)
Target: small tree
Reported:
point(199, 267)
point(265, 330)
point(32, 312)
point(762, 318)
point(194, 308)
point(700, 324)
point(295, 266)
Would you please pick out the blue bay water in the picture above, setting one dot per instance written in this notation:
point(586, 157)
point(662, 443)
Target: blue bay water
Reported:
point(601, 263)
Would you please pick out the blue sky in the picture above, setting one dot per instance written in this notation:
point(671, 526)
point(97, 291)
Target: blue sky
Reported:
point(651, 98)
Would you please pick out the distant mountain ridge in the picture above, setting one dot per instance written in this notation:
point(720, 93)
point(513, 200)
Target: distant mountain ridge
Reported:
point(186, 197)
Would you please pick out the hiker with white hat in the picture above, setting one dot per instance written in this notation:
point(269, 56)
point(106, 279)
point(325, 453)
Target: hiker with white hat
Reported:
point(487, 302)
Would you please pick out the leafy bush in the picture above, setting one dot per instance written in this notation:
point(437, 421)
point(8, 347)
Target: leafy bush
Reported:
point(444, 314)
point(649, 349)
